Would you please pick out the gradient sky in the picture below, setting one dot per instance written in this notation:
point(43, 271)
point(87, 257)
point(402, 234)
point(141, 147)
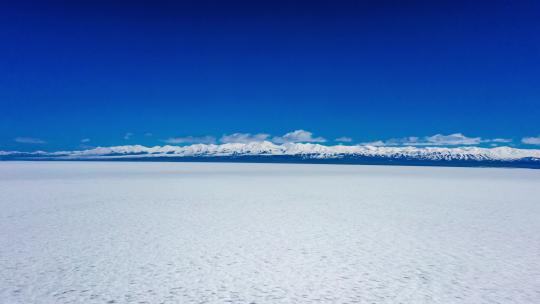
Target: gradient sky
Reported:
point(372, 70)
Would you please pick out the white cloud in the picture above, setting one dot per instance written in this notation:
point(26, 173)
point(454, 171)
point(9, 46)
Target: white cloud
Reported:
point(85, 140)
point(243, 138)
point(531, 140)
point(500, 140)
point(343, 139)
point(377, 143)
point(191, 140)
point(128, 135)
point(298, 136)
point(437, 140)
point(29, 140)
point(291, 137)
point(452, 139)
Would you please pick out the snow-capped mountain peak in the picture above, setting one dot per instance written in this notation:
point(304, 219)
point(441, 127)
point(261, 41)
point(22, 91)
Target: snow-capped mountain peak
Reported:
point(303, 150)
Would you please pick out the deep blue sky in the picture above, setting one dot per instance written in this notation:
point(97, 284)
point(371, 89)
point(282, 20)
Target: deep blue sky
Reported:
point(368, 70)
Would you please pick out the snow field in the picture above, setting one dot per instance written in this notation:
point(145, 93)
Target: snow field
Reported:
point(115, 232)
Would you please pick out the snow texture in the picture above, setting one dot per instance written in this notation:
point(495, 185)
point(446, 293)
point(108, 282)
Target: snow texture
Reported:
point(93, 232)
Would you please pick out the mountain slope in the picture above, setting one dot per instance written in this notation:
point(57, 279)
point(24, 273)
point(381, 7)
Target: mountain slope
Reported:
point(297, 152)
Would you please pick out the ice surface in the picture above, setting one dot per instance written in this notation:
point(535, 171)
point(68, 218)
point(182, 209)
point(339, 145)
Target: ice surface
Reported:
point(112, 232)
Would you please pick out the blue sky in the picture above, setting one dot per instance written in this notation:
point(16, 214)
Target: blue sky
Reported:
point(76, 74)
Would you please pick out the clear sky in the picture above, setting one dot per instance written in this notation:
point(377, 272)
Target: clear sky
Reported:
point(86, 73)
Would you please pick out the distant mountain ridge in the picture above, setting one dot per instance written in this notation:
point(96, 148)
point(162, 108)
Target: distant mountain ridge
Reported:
point(291, 152)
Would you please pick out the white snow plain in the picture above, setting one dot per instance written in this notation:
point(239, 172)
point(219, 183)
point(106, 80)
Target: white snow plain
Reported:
point(122, 232)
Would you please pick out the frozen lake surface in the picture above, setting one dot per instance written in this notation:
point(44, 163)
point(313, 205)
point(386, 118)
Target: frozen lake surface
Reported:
point(112, 232)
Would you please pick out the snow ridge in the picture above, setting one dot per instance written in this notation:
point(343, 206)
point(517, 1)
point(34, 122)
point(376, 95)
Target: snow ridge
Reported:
point(305, 150)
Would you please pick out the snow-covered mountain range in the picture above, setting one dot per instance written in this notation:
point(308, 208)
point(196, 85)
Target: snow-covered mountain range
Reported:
point(298, 150)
